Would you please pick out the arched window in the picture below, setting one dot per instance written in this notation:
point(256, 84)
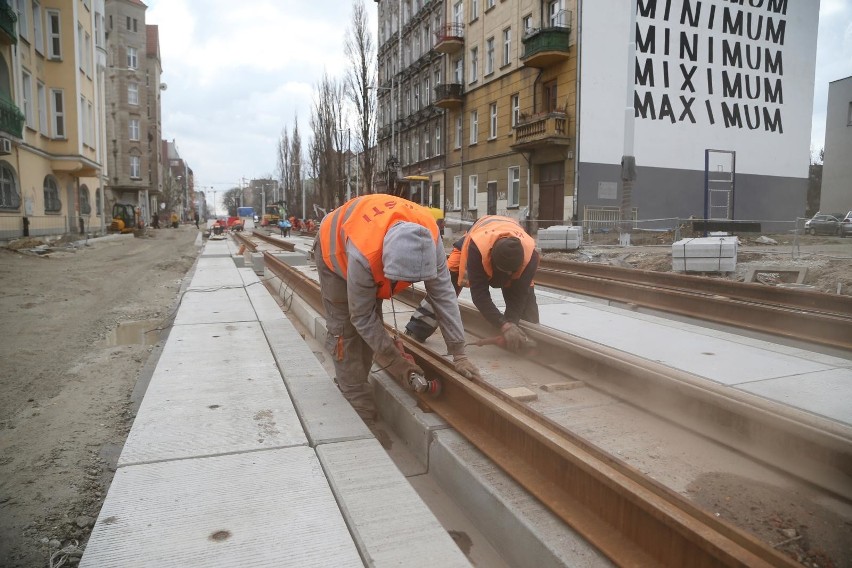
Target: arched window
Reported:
point(10, 198)
point(85, 204)
point(51, 195)
point(99, 207)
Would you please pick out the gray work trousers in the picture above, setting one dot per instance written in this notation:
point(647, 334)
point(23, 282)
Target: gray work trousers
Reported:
point(351, 355)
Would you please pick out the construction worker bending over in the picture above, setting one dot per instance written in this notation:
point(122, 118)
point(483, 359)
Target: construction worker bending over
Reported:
point(367, 250)
point(496, 252)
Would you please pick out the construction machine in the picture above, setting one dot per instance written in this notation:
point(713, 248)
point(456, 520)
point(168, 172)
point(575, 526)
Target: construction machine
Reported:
point(272, 214)
point(124, 218)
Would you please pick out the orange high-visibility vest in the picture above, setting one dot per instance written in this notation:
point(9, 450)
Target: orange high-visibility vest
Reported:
point(364, 221)
point(485, 232)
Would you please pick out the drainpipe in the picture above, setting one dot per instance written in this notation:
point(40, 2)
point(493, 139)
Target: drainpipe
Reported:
point(578, 101)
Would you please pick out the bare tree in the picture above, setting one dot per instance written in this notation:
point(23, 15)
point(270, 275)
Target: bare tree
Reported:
point(328, 119)
point(294, 180)
point(360, 49)
point(283, 161)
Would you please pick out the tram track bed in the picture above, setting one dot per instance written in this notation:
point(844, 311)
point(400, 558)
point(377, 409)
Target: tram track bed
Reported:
point(724, 480)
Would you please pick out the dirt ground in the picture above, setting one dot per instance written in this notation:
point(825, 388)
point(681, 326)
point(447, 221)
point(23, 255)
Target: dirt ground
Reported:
point(65, 406)
point(66, 380)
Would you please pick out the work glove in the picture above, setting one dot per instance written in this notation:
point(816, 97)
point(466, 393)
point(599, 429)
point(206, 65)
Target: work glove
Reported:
point(514, 336)
point(392, 361)
point(466, 368)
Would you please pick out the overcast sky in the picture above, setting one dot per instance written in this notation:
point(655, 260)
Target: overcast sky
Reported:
point(238, 72)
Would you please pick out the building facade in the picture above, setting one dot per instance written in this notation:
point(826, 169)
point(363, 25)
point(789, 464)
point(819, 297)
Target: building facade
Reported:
point(133, 90)
point(512, 107)
point(51, 152)
point(836, 193)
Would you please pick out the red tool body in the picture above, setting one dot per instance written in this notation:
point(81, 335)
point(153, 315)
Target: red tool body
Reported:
point(417, 382)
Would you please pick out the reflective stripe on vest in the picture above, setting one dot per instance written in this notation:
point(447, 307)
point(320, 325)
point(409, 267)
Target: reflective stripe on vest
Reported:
point(485, 233)
point(364, 221)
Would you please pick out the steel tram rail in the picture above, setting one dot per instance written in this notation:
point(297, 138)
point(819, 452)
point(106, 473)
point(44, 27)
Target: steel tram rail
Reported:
point(630, 518)
point(825, 319)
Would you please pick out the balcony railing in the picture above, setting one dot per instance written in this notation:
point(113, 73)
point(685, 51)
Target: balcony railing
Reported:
point(449, 38)
point(546, 46)
point(448, 95)
point(11, 118)
point(541, 130)
point(8, 17)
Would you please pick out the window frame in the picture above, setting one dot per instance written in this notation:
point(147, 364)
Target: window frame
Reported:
point(474, 126)
point(133, 127)
point(54, 34)
point(43, 120)
point(38, 27)
point(135, 163)
point(515, 106)
point(472, 189)
point(57, 114)
point(457, 189)
point(9, 188)
point(132, 58)
point(514, 181)
point(492, 121)
point(27, 99)
point(133, 87)
point(50, 194)
point(474, 64)
point(507, 46)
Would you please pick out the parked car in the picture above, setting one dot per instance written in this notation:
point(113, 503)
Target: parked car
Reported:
point(823, 224)
point(846, 225)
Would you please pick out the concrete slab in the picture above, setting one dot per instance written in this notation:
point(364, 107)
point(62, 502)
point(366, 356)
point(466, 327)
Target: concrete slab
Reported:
point(722, 359)
point(826, 393)
point(216, 390)
point(325, 415)
point(215, 306)
point(517, 524)
point(215, 272)
point(265, 306)
point(365, 481)
point(271, 508)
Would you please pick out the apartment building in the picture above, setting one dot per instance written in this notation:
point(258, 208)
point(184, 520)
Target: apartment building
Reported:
point(836, 193)
point(133, 119)
point(51, 153)
point(482, 92)
point(537, 104)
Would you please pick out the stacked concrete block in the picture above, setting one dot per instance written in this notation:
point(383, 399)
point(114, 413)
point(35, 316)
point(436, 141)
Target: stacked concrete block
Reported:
point(707, 254)
point(560, 237)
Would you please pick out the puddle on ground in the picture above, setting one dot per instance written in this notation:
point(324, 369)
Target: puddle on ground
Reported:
point(143, 332)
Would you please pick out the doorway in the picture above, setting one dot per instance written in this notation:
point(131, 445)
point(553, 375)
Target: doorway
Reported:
point(551, 190)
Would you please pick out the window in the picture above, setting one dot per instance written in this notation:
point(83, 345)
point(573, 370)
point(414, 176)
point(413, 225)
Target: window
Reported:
point(489, 4)
point(99, 30)
point(132, 24)
point(57, 96)
point(489, 56)
point(550, 99)
point(474, 126)
point(556, 14)
point(80, 46)
point(492, 121)
point(133, 93)
point(474, 64)
point(472, 182)
point(458, 73)
point(457, 192)
point(135, 167)
point(38, 28)
point(27, 91)
point(132, 58)
point(90, 124)
point(526, 24)
point(23, 23)
point(514, 186)
point(9, 197)
point(99, 209)
point(459, 131)
point(87, 56)
point(51, 195)
point(416, 147)
point(438, 149)
point(474, 9)
point(54, 35)
point(458, 10)
point(133, 129)
point(507, 46)
point(427, 145)
point(515, 102)
point(42, 109)
point(85, 204)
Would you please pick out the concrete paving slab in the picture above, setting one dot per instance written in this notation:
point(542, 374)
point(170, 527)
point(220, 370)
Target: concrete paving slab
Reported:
point(271, 508)
point(825, 393)
point(215, 248)
point(265, 306)
point(217, 272)
point(325, 415)
point(215, 306)
point(720, 359)
point(517, 524)
point(204, 399)
point(389, 522)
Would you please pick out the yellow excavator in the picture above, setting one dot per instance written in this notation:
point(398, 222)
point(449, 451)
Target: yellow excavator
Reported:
point(124, 218)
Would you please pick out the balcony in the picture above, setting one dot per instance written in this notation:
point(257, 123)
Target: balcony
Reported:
point(546, 46)
point(11, 118)
point(8, 35)
point(450, 38)
point(542, 130)
point(449, 95)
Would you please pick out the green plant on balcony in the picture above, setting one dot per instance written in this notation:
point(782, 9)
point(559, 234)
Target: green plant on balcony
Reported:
point(11, 118)
point(8, 18)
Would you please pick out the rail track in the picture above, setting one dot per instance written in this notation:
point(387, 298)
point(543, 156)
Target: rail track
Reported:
point(630, 518)
point(804, 315)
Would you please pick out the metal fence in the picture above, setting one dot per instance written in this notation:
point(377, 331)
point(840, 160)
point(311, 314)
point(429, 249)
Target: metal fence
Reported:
point(15, 227)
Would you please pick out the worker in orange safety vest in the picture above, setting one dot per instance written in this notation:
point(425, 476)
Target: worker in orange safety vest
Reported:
point(367, 250)
point(496, 252)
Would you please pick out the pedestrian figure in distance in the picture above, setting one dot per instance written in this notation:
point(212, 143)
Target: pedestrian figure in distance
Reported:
point(155, 220)
point(195, 218)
